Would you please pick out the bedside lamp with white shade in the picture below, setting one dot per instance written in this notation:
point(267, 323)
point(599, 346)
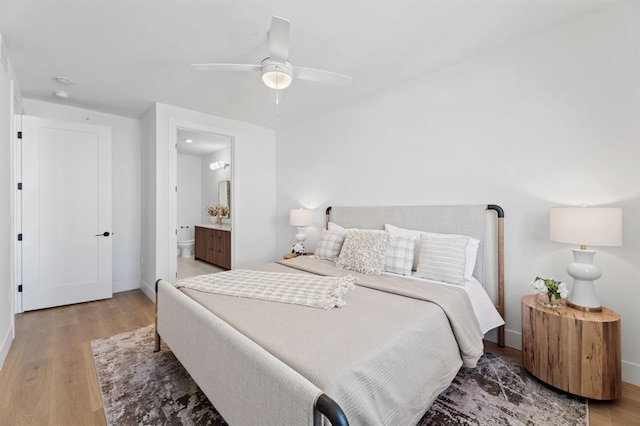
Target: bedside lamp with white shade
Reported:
point(586, 226)
point(301, 218)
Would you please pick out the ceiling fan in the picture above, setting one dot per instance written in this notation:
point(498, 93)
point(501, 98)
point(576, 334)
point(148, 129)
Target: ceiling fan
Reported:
point(276, 70)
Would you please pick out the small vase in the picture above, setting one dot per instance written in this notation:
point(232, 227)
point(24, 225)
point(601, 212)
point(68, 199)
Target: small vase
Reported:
point(548, 300)
point(213, 219)
point(219, 220)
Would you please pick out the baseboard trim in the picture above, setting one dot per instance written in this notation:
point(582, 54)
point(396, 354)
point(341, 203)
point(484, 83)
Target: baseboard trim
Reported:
point(6, 345)
point(513, 339)
point(148, 290)
point(125, 285)
point(631, 372)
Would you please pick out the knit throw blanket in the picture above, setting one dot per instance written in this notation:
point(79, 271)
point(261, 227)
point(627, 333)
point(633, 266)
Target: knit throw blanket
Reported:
point(299, 289)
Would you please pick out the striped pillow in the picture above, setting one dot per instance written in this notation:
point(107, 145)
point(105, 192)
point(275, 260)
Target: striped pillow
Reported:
point(329, 245)
point(399, 256)
point(442, 258)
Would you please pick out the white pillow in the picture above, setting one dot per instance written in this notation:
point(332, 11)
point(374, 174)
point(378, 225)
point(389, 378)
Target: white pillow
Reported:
point(399, 256)
point(471, 248)
point(442, 258)
point(335, 227)
point(363, 251)
point(329, 245)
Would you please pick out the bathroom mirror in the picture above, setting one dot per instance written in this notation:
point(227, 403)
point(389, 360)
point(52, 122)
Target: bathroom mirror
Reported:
point(224, 195)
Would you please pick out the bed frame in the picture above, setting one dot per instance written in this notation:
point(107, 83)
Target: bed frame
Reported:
point(324, 404)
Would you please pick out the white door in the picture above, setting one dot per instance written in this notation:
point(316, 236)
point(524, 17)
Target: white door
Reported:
point(66, 213)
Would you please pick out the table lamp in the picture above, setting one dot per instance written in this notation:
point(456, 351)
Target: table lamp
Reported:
point(586, 226)
point(301, 218)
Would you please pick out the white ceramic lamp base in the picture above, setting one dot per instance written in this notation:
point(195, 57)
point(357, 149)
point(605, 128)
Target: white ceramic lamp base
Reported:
point(583, 295)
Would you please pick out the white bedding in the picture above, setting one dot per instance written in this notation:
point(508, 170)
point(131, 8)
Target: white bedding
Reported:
point(486, 313)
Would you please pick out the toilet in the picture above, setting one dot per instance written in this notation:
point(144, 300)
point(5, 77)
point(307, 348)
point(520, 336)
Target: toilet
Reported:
point(185, 241)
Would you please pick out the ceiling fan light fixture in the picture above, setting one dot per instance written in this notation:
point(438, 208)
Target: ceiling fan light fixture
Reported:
point(276, 75)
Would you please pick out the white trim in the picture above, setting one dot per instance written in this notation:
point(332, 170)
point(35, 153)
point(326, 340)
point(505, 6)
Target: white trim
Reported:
point(631, 372)
point(15, 152)
point(6, 345)
point(125, 285)
point(174, 125)
point(148, 290)
point(513, 339)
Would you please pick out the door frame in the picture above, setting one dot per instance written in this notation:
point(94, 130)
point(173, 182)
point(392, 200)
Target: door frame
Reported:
point(15, 152)
point(172, 242)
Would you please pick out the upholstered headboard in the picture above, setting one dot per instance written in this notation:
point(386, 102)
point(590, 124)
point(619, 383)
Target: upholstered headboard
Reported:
point(484, 222)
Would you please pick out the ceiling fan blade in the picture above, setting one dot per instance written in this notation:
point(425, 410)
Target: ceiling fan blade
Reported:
point(321, 76)
point(279, 39)
point(225, 67)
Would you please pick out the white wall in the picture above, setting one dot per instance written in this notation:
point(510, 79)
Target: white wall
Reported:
point(548, 120)
point(253, 237)
point(212, 177)
point(125, 182)
point(148, 183)
point(7, 289)
point(190, 184)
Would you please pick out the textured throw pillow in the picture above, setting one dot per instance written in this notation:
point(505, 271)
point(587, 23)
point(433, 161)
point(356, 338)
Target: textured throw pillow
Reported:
point(471, 248)
point(399, 256)
point(363, 251)
point(329, 245)
point(442, 258)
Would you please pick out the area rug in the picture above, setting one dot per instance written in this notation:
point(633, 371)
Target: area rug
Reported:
point(139, 386)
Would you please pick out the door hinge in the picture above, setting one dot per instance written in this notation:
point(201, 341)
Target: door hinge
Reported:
point(176, 231)
point(19, 186)
point(176, 188)
point(19, 237)
point(19, 288)
point(19, 135)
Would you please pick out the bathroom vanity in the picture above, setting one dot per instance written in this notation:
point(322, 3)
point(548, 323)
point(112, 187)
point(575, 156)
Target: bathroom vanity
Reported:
point(213, 244)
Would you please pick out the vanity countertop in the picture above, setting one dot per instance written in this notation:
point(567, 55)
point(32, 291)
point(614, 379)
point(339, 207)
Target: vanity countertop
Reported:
point(223, 227)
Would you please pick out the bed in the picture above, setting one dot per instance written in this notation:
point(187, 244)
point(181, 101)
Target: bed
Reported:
point(381, 359)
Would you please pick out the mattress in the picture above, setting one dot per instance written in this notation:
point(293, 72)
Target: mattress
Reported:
point(384, 357)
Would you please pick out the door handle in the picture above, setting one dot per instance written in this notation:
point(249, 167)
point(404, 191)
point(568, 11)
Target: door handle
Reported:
point(104, 234)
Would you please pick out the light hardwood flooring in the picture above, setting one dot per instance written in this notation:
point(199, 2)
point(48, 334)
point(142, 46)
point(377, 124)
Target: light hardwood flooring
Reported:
point(49, 377)
point(189, 267)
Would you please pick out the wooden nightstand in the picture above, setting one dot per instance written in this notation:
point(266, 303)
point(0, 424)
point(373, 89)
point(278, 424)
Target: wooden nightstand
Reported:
point(292, 255)
point(573, 350)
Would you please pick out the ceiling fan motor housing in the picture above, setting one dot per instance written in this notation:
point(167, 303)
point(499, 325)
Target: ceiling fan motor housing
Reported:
point(275, 74)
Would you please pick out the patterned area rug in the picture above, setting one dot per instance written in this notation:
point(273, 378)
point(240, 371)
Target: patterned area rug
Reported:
point(142, 387)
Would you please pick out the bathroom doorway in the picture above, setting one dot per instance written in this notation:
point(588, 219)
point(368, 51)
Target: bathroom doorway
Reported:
point(203, 162)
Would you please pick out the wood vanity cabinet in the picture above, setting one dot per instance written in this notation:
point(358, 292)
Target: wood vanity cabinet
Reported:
point(213, 246)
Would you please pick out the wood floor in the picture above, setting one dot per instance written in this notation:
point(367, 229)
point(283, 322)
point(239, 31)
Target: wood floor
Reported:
point(49, 377)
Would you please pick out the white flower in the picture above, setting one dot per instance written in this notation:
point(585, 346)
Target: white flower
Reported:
point(562, 289)
point(539, 285)
point(297, 248)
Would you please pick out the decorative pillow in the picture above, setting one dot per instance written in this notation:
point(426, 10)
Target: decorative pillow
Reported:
point(363, 251)
point(332, 226)
point(471, 248)
point(442, 258)
point(399, 256)
point(329, 245)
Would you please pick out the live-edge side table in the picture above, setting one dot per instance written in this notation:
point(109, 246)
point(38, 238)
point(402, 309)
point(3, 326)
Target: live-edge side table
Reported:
point(572, 350)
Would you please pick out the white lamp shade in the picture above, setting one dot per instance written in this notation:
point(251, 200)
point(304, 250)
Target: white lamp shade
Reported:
point(300, 217)
point(591, 226)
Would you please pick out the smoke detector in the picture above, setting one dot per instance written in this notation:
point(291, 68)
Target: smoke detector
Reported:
point(63, 80)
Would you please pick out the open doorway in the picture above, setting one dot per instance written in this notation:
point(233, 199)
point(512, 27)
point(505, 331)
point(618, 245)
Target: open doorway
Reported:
point(203, 177)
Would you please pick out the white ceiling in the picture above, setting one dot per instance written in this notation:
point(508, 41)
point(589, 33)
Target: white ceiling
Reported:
point(126, 54)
